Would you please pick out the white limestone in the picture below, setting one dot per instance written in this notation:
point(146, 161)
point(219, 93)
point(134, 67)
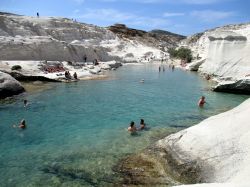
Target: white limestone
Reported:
point(61, 39)
point(226, 53)
point(221, 142)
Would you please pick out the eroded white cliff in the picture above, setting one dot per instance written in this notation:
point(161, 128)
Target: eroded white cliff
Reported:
point(49, 38)
point(225, 55)
point(218, 147)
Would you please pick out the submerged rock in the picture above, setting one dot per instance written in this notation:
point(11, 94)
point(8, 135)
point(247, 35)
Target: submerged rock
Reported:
point(144, 169)
point(9, 86)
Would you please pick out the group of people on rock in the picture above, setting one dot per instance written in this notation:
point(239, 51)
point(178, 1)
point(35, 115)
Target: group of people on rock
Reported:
point(68, 75)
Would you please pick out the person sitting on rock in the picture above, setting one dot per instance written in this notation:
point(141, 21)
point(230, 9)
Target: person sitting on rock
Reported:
point(75, 75)
point(67, 75)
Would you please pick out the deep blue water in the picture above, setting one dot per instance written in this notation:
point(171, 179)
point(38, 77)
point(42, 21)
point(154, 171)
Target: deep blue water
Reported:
point(82, 126)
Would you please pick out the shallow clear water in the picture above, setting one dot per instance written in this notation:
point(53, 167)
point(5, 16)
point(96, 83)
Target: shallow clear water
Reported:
point(77, 132)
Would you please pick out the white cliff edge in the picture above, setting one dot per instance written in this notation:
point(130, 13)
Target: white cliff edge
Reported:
point(218, 148)
point(223, 53)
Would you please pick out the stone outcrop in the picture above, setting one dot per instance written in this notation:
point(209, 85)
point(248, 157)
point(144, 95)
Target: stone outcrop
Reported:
point(239, 86)
point(9, 86)
point(194, 66)
point(226, 50)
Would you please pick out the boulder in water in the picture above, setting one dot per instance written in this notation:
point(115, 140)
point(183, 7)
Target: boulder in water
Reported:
point(9, 86)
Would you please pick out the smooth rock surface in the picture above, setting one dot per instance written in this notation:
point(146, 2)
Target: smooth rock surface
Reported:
point(9, 86)
point(194, 66)
point(241, 86)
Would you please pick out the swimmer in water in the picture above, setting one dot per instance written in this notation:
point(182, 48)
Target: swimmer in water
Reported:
point(201, 102)
point(25, 102)
point(142, 125)
point(22, 124)
point(132, 127)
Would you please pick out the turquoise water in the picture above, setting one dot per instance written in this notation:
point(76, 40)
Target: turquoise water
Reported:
point(77, 132)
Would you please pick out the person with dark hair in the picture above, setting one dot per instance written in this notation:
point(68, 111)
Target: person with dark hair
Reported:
point(25, 102)
point(85, 58)
point(132, 127)
point(22, 124)
point(173, 67)
point(142, 125)
point(67, 75)
point(75, 75)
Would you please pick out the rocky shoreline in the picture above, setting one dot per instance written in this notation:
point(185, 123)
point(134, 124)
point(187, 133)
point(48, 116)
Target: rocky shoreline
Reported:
point(48, 71)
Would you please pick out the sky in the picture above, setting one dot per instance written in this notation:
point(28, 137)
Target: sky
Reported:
point(184, 17)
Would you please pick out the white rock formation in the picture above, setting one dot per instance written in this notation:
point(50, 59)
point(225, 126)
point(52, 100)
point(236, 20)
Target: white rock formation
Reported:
point(226, 52)
point(9, 86)
point(194, 66)
point(61, 39)
point(218, 148)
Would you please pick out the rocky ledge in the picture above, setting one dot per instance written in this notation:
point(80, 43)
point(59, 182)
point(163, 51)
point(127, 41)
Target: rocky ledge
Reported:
point(241, 86)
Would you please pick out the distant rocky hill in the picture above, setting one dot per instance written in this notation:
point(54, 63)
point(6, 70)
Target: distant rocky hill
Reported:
point(55, 38)
point(159, 38)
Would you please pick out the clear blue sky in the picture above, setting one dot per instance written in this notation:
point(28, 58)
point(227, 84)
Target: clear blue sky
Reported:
point(179, 16)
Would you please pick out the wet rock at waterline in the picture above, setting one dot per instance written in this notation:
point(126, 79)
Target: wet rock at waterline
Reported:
point(9, 86)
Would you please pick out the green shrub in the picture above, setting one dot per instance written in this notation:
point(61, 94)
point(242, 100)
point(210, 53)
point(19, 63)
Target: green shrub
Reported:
point(181, 53)
point(16, 67)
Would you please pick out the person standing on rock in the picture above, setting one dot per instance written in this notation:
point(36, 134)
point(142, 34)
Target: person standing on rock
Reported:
point(37, 14)
point(85, 58)
point(75, 76)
